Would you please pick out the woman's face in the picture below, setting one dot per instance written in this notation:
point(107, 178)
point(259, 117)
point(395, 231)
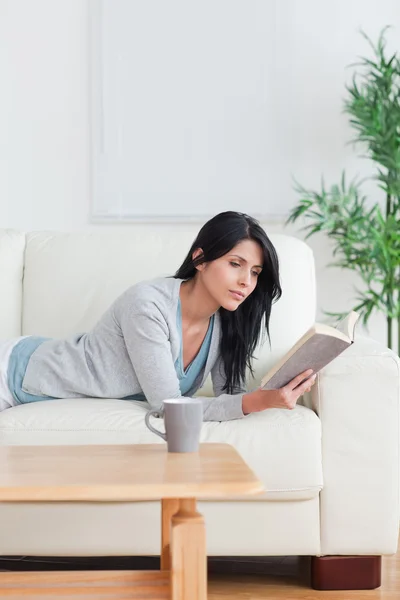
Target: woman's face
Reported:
point(233, 277)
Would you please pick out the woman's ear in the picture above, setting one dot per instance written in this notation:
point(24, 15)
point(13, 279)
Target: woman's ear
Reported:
point(198, 252)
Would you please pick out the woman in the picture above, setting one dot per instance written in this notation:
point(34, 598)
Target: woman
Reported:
point(161, 338)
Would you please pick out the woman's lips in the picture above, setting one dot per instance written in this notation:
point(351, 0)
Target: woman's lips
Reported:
point(236, 295)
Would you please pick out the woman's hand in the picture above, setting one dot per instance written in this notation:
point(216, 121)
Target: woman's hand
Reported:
point(285, 397)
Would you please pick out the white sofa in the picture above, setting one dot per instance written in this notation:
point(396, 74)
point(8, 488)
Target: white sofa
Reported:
point(330, 466)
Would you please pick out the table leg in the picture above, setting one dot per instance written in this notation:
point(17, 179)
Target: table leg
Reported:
point(188, 553)
point(169, 506)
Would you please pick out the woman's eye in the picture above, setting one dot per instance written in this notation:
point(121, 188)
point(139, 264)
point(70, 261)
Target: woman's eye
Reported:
point(234, 264)
point(255, 273)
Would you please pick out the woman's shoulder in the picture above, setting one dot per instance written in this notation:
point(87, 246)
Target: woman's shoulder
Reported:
point(160, 292)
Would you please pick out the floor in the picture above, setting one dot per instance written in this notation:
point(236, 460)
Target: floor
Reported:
point(289, 579)
point(240, 579)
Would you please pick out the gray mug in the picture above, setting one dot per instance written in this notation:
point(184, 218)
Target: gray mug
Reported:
point(183, 418)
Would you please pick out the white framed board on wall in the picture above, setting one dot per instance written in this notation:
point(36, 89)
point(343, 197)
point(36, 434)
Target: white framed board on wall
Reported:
point(203, 106)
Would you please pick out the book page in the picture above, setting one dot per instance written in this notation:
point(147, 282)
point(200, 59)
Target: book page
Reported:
point(348, 324)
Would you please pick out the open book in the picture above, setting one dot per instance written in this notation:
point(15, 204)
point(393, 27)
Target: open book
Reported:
point(315, 349)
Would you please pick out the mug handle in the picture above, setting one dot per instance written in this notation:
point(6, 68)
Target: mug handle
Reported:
point(153, 429)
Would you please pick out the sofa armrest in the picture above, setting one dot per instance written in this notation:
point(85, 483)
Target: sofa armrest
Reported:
point(357, 398)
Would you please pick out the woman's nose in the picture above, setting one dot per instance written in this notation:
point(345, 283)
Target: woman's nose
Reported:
point(245, 279)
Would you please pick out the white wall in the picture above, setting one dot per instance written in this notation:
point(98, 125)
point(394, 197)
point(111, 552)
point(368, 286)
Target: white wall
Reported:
point(44, 154)
point(44, 144)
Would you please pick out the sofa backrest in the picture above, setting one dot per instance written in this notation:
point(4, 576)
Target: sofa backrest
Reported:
point(12, 248)
point(55, 284)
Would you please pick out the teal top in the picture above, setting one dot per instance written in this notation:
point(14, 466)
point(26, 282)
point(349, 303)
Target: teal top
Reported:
point(17, 365)
point(24, 349)
point(188, 376)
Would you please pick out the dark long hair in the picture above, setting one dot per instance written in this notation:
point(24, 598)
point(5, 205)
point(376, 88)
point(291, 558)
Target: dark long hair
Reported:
point(242, 328)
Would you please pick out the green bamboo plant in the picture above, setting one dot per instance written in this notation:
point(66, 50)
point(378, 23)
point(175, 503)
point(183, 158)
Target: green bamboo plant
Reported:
point(365, 239)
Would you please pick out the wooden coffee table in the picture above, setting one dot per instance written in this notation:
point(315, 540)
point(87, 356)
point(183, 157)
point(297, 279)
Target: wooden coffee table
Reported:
point(126, 473)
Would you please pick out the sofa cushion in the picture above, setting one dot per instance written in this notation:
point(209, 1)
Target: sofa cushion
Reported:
point(282, 447)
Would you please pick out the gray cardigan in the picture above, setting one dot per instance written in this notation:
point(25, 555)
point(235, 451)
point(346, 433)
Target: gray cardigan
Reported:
point(132, 349)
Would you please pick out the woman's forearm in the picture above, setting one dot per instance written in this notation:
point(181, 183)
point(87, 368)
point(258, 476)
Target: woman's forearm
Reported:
point(253, 402)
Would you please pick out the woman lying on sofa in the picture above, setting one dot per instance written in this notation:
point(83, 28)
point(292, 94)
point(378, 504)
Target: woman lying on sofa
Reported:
point(161, 338)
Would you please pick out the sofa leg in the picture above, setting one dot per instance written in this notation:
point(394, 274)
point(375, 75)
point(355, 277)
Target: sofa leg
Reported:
point(345, 572)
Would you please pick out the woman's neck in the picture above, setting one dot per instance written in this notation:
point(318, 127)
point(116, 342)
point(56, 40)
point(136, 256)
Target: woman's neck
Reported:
point(197, 305)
